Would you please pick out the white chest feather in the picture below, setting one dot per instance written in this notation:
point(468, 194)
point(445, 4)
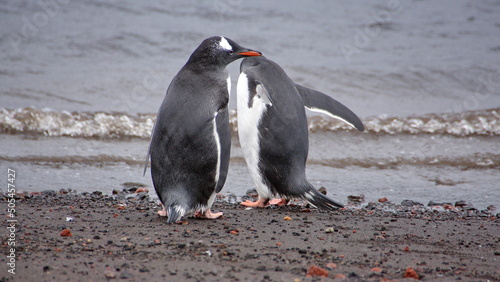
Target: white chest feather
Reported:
point(217, 147)
point(217, 139)
point(228, 85)
point(248, 130)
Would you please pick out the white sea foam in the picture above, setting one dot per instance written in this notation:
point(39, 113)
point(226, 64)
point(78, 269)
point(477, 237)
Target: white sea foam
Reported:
point(50, 122)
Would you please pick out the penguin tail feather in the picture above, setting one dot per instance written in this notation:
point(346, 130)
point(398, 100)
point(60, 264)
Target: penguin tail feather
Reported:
point(174, 214)
point(314, 197)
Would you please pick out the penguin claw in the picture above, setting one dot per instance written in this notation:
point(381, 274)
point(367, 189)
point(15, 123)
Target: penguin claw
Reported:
point(208, 214)
point(260, 203)
point(162, 212)
point(279, 202)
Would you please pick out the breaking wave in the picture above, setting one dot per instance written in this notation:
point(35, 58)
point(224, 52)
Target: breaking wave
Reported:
point(485, 122)
point(50, 122)
point(76, 124)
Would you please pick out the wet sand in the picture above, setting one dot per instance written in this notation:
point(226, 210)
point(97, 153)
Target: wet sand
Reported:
point(121, 237)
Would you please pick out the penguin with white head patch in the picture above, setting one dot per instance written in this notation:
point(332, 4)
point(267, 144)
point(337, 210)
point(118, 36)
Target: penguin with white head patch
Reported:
point(273, 131)
point(190, 143)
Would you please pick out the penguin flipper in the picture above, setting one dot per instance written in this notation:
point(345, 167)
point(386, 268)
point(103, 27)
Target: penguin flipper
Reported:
point(224, 137)
point(149, 152)
point(320, 102)
point(146, 161)
point(263, 93)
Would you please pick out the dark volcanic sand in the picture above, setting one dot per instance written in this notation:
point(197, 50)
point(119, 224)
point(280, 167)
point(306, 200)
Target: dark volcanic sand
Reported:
point(131, 242)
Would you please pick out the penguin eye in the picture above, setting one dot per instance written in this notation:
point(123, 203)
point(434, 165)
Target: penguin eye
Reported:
point(230, 52)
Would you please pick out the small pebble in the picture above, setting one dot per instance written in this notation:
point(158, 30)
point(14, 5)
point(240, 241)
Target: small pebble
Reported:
point(411, 273)
point(383, 200)
point(316, 271)
point(331, 266)
point(339, 276)
point(66, 233)
point(110, 274)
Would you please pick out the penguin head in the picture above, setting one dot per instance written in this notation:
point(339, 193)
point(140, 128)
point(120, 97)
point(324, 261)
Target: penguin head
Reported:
point(252, 62)
point(219, 50)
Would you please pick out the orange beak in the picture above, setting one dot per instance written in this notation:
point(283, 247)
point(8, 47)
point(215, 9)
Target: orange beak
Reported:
point(250, 53)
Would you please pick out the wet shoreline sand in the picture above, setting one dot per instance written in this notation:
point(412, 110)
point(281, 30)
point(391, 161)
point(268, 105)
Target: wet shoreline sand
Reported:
point(121, 237)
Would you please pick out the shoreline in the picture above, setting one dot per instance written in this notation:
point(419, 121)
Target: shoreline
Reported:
point(121, 237)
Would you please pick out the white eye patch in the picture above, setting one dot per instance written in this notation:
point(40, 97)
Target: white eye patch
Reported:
point(225, 45)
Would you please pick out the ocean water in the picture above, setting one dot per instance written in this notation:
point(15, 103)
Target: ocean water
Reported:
point(80, 83)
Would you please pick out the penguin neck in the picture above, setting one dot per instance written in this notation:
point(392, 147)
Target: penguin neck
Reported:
point(203, 62)
point(207, 69)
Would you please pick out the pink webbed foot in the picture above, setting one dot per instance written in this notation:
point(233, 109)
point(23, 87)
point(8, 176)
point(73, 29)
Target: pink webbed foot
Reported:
point(260, 203)
point(162, 212)
point(279, 202)
point(208, 214)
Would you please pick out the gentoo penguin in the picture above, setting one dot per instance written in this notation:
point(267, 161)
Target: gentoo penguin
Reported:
point(273, 131)
point(190, 142)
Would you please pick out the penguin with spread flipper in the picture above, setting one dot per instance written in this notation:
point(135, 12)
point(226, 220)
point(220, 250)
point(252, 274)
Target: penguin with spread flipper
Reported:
point(273, 131)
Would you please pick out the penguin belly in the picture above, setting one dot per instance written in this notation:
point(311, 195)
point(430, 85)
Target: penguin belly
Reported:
point(250, 112)
point(185, 183)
